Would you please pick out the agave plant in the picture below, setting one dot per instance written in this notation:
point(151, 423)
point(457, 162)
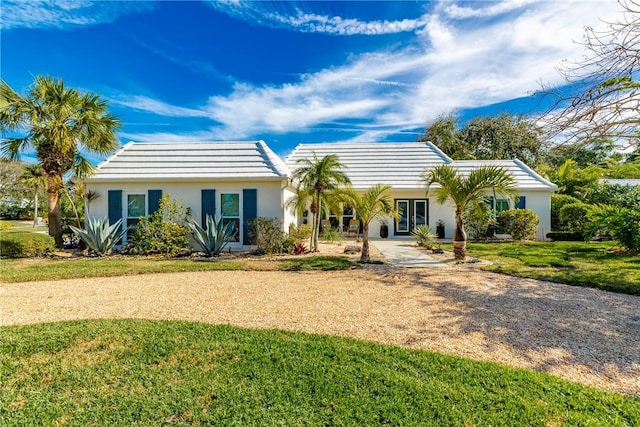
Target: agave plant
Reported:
point(99, 236)
point(215, 237)
point(424, 236)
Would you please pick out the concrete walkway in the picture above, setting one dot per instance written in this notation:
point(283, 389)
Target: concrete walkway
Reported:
point(403, 253)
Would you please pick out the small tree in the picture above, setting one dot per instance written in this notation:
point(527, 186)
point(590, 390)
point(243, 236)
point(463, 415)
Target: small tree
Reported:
point(373, 203)
point(463, 190)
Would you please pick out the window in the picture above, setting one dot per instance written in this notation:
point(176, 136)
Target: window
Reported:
point(502, 205)
point(230, 211)
point(136, 208)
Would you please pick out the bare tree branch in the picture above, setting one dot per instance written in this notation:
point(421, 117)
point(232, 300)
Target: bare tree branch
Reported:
point(600, 97)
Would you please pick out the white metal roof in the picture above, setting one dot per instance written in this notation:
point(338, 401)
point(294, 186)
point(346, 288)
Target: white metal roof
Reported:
point(398, 164)
point(627, 182)
point(526, 178)
point(192, 161)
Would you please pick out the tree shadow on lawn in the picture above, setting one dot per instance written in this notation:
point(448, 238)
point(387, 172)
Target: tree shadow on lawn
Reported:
point(547, 326)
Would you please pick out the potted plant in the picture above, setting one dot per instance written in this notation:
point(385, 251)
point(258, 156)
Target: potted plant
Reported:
point(440, 229)
point(384, 230)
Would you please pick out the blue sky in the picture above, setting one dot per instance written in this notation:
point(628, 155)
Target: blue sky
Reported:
point(291, 72)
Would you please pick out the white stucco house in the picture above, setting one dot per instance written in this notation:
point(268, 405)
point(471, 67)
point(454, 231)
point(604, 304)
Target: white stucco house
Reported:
point(400, 165)
point(244, 180)
point(239, 180)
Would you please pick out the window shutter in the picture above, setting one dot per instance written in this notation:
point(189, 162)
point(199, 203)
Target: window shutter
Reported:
point(249, 212)
point(154, 200)
point(522, 203)
point(208, 200)
point(115, 205)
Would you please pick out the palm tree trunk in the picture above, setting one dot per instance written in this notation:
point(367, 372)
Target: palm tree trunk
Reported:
point(317, 228)
point(365, 255)
point(53, 204)
point(459, 237)
point(35, 208)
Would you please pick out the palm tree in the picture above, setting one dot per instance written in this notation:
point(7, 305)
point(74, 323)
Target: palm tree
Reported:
point(373, 203)
point(34, 176)
point(315, 177)
point(463, 190)
point(59, 122)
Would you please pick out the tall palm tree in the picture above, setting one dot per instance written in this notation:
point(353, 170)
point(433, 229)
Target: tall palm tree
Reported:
point(463, 190)
point(34, 176)
point(59, 122)
point(316, 177)
point(373, 203)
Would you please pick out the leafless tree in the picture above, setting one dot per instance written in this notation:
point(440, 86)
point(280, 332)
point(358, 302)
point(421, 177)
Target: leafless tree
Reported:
point(600, 95)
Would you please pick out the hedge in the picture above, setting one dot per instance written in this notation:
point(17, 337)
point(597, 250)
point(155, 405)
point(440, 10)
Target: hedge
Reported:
point(565, 236)
point(24, 244)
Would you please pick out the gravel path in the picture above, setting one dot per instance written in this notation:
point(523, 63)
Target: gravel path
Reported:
point(580, 334)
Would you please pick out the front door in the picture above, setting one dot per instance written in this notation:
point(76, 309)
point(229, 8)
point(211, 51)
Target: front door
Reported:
point(413, 212)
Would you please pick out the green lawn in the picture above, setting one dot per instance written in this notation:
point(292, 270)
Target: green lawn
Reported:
point(139, 372)
point(24, 270)
point(590, 264)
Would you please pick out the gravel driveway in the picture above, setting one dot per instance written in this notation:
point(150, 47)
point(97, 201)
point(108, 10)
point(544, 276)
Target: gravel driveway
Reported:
point(584, 335)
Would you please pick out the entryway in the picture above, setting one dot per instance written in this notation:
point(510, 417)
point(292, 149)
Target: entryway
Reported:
point(403, 253)
point(413, 212)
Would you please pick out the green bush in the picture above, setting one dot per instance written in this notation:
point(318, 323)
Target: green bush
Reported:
point(300, 233)
point(573, 216)
point(521, 224)
point(622, 224)
point(162, 232)
point(24, 244)
point(267, 235)
point(476, 219)
point(557, 202)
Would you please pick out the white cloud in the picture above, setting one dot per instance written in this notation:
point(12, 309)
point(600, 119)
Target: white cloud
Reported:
point(64, 14)
point(445, 66)
point(143, 103)
point(315, 23)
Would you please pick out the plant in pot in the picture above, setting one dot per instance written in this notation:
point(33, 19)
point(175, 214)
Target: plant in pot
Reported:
point(440, 229)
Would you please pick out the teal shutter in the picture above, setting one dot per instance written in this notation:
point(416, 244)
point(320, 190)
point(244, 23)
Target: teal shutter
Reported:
point(249, 211)
point(114, 205)
point(154, 200)
point(522, 203)
point(208, 201)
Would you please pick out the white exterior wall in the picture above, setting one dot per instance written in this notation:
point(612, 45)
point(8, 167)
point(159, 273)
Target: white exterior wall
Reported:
point(269, 196)
point(537, 201)
point(540, 203)
point(288, 216)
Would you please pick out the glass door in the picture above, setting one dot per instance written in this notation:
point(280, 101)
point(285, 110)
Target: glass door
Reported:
point(402, 226)
point(419, 213)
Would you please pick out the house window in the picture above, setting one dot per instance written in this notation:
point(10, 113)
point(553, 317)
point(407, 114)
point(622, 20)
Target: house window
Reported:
point(136, 208)
point(502, 205)
point(230, 211)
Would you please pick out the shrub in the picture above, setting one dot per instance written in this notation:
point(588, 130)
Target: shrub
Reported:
point(215, 237)
point(99, 236)
point(622, 223)
point(24, 244)
point(521, 224)
point(300, 233)
point(424, 236)
point(299, 248)
point(162, 232)
point(476, 219)
point(574, 216)
point(557, 202)
point(331, 236)
point(565, 236)
point(267, 235)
